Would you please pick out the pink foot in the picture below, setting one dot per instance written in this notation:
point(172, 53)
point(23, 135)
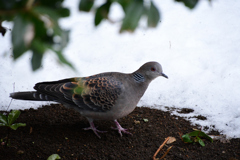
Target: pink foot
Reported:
point(120, 129)
point(94, 129)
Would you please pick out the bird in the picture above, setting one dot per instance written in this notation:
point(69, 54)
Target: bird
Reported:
point(104, 96)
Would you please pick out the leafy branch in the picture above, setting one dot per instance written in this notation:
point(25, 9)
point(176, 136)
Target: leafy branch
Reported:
point(36, 23)
point(194, 137)
point(8, 121)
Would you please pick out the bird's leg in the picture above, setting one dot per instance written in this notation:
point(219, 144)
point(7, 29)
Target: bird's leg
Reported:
point(93, 128)
point(120, 129)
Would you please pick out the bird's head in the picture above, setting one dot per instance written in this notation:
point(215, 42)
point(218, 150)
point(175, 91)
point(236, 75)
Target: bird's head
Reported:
point(151, 70)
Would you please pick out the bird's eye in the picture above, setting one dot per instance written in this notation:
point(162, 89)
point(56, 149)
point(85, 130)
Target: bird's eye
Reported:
point(153, 69)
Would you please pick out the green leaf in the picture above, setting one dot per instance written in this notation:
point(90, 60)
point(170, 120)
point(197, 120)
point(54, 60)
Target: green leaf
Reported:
point(134, 12)
point(3, 119)
point(2, 29)
point(18, 33)
point(189, 3)
point(2, 124)
point(153, 16)
point(12, 4)
point(194, 133)
point(200, 134)
point(47, 11)
point(39, 25)
point(63, 12)
point(102, 13)
point(36, 60)
point(86, 5)
point(63, 59)
point(124, 4)
point(187, 138)
point(200, 141)
point(64, 39)
point(51, 15)
point(13, 115)
point(38, 48)
point(16, 125)
point(53, 157)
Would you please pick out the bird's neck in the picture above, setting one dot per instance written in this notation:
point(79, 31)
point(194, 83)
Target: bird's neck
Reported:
point(138, 77)
point(141, 83)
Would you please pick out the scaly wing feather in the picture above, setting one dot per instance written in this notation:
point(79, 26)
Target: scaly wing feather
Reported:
point(98, 92)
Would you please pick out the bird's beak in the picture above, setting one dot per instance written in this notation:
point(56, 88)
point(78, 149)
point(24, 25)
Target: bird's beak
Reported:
point(164, 75)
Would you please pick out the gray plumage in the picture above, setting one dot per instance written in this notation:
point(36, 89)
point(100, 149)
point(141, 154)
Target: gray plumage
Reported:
point(104, 96)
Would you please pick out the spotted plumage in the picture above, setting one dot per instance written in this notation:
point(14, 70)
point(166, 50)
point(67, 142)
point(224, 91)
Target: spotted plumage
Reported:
point(104, 96)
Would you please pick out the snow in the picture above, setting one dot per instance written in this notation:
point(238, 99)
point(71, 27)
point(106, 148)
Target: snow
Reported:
point(198, 49)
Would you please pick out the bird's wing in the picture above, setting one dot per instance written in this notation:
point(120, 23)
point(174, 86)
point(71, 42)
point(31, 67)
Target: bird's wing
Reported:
point(98, 93)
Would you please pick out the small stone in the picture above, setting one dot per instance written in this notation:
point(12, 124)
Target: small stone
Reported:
point(20, 152)
point(145, 119)
point(136, 122)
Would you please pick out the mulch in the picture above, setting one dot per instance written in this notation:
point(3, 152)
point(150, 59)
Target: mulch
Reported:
point(55, 129)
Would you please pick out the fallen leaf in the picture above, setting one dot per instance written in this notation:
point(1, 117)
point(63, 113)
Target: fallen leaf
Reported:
point(171, 140)
point(20, 152)
point(136, 122)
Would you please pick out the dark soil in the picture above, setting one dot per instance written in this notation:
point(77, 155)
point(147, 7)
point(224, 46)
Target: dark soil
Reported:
point(55, 129)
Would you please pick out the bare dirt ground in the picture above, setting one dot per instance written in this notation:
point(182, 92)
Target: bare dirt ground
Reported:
point(57, 130)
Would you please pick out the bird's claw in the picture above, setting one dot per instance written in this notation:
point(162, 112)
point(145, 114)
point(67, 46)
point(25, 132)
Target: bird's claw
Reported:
point(94, 129)
point(120, 129)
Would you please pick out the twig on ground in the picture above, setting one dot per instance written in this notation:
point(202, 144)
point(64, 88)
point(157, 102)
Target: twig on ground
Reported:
point(154, 156)
point(169, 148)
point(180, 133)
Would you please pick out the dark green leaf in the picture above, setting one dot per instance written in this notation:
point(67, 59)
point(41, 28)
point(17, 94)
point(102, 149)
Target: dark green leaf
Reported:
point(133, 14)
point(54, 21)
point(54, 4)
point(63, 59)
point(189, 3)
point(2, 29)
point(63, 12)
point(13, 115)
point(194, 133)
point(51, 15)
point(124, 3)
point(36, 60)
point(2, 124)
point(38, 47)
point(86, 5)
point(16, 125)
point(39, 25)
point(54, 157)
point(12, 4)
point(200, 141)
point(200, 134)
point(102, 13)
point(187, 138)
point(3, 119)
point(18, 34)
point(153, 16)
point(64, 39)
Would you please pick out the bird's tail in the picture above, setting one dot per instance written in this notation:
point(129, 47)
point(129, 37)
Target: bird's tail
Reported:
point(31, 96)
